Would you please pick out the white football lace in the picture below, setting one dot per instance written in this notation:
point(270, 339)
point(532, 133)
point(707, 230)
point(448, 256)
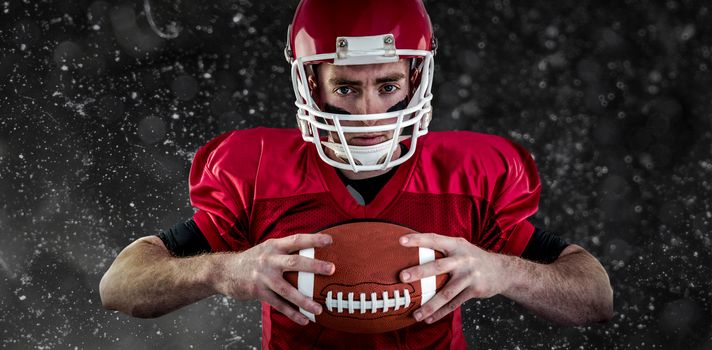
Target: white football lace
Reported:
point(363, 304)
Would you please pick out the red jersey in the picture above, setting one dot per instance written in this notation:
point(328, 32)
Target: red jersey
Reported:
point(253, 185)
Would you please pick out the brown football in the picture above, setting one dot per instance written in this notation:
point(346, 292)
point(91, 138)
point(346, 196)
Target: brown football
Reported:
point(365, 294)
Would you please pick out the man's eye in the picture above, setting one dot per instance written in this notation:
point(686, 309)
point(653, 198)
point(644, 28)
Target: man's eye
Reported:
point(343, 90)
point(390, 88)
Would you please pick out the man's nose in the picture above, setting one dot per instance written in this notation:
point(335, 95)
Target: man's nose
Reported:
point(369, 105)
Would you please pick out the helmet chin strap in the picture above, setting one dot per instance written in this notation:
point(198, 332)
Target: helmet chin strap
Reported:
point(363, 155)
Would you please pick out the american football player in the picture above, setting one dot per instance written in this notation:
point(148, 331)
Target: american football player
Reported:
point(362, 74)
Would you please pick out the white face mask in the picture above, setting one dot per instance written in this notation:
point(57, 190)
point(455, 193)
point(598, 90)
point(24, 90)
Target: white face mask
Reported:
point(316, 124)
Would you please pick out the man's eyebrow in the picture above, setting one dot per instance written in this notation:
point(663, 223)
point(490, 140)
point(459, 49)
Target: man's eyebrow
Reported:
point(390, 78)
point(386, 79)
point(344, 81)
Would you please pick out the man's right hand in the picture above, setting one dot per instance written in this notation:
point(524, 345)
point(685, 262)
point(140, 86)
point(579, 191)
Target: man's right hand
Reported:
point(258, 273)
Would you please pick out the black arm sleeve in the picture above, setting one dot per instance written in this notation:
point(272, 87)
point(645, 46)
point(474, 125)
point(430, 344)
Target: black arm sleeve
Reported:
point(544, 247)
point(185, 239)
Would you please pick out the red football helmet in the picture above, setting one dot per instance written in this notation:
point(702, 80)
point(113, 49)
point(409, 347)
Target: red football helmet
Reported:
point(361, 32)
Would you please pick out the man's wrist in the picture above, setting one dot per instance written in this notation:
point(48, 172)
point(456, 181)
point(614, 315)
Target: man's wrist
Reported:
point(213, 275)
point(514, 271)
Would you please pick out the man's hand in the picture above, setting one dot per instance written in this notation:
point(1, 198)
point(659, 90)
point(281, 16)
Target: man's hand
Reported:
point(257, 273)
point(573, 290)
point(474, 273)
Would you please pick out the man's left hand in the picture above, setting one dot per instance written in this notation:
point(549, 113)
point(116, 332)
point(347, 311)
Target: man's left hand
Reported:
point(474, 273)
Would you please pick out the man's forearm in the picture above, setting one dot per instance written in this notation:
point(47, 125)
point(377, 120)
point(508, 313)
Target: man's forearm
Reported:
point(145, 280)
point(573, 290)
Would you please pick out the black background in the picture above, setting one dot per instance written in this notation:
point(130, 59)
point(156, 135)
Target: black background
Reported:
point(100, 117)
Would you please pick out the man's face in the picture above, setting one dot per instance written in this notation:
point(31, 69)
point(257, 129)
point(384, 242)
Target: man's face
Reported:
point(363, 89)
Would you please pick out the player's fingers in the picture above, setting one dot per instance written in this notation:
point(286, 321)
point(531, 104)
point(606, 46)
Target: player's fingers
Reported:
point(450, 291)
point(283, 307)
point(444, 244)
point(448, 308)
point(433, 268)
point(301, 241)
point(291, 294)
point(294, 262)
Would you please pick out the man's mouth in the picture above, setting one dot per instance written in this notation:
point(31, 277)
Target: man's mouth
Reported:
point(367, 140)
